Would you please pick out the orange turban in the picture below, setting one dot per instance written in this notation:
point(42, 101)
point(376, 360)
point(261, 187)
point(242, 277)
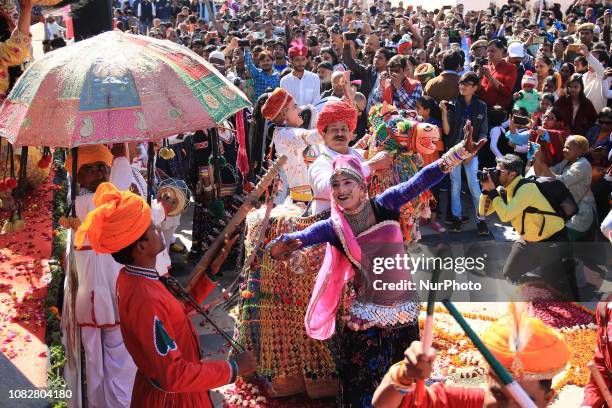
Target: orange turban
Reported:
point(337, 111)
point(542, 351)
point(90, 154)
point(119, 219)
point(277, 101)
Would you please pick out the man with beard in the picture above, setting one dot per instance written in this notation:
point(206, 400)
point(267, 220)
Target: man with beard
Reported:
point(371, 45)
point(324, 70)
point(278, 52)
point(303, 85)
point(110, 370)
point(264, 76)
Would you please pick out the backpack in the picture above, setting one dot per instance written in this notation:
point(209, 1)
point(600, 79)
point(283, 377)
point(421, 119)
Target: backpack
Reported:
point(557, 195)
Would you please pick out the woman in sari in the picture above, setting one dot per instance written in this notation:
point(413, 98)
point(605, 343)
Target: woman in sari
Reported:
point(378, 320)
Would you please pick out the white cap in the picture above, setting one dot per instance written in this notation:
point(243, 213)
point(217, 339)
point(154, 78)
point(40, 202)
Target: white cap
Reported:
point(216, 57)
point(516, 49)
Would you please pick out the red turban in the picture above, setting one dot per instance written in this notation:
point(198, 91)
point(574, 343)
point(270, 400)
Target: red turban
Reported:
point(119, 219)
point(337, 111)
point(298, 49)
point(277, 101)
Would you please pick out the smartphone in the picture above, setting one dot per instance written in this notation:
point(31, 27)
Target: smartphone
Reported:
point(350, 36)
point(520, 120)
point(446, 7)
point(243, 42)
point(538, 39)
point(573, 47)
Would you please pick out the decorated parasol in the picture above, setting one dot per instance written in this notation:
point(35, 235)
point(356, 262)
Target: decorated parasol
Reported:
point(116, 87)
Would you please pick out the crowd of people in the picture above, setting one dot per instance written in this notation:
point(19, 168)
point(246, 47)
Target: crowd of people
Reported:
point(478, 100)
point(511, 70)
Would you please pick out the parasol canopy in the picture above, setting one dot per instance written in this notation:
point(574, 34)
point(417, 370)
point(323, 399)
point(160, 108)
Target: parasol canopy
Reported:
point(116, 87)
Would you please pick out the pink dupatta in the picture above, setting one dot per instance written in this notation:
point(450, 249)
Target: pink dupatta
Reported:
point(336, 271)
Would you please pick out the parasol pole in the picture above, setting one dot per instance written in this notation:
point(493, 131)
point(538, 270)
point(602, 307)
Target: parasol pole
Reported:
point(73, 181)
point(512, 387)
point(214, 140)
point(150, 170)
point(23, 163)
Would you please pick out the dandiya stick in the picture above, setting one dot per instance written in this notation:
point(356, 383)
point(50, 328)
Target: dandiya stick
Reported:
point(601, 384)
point(427, 333)
point(511, 386)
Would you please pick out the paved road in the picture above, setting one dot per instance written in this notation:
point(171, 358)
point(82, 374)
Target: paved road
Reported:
point(496, 246)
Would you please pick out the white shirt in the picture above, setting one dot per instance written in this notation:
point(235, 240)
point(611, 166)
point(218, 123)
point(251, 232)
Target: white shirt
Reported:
point(305, 91)
point(595, 85)
point(320, 172)
point(96, 299)
point(292, 142)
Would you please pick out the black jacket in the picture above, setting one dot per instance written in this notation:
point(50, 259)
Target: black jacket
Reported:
point(367, 75)
point(456, 119)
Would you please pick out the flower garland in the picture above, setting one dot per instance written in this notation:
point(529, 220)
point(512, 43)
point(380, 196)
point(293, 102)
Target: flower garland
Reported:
point(459, 361)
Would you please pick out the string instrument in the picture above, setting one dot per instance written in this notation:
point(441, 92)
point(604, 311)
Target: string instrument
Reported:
point(231, 226)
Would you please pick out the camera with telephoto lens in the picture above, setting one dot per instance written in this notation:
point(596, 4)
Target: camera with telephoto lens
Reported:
point(483, 175)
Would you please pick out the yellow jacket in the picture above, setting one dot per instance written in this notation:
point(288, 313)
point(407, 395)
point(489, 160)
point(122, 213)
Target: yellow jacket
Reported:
point(12, 52)
point(527, 195)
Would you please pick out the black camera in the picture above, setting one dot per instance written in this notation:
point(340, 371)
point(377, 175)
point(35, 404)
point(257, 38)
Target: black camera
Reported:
point(483, 175)
point(479, 62)
point(450, 106)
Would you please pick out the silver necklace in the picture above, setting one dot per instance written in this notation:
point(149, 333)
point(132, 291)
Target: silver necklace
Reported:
point(359, 219)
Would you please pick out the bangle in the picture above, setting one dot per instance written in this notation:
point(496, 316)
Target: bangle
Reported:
point(234, 370)
point(401, 384)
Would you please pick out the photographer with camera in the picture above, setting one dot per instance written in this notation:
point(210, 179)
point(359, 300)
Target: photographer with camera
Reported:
point(454, 116)
point(543, 238)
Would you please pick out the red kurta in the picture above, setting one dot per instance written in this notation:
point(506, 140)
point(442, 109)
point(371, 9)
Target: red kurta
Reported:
point(164, 344)
point(506, 74)
point(603, 356)
point(440, 395)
